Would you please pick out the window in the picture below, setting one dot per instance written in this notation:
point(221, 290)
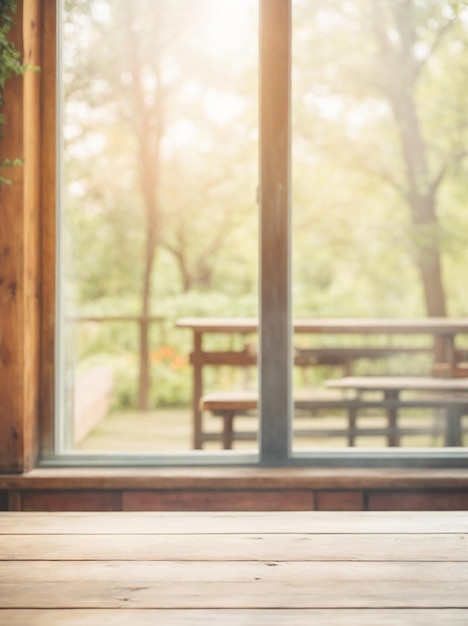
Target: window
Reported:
point(159, 217)
point(61, 321)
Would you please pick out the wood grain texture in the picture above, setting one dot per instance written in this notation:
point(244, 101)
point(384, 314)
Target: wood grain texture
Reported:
point(416, 501)
point(227, 523)
point(312, 572)
point(19, 236)
point(11, 270)
point(339, 501)
point(234, 617)
point(296, 547)
point(234, 594)
point(238, 478)
point(77, 500)
point(76, 567)
point(210, 500)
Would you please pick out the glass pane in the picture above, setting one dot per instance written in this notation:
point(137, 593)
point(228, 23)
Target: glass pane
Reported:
point(159, 218)
point(380, 222)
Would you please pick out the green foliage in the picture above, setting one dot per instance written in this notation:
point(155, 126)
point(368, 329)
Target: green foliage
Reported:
point(354, 240)
point(116, 344)
point(365, 73)
point(10, 65)
point(9, 56)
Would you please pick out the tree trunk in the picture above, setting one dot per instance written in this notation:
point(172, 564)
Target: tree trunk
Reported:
point(149, 130)
point(421, 199)
point(149, 178)
point(144, 366)
point(398, 77)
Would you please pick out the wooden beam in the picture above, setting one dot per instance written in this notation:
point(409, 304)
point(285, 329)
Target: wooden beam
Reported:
point(254, 617)
point(19, 261)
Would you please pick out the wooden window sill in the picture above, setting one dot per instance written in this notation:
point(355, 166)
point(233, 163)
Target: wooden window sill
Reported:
point(236, 478)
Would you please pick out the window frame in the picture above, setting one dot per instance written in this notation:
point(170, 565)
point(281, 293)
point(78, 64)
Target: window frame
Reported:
point(30, 317)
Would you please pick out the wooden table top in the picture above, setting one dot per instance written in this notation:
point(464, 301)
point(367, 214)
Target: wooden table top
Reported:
point(294, 568)
point(410, 383)
point(423, 325)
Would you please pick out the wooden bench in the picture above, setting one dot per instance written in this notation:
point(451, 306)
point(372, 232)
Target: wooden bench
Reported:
point(309, 357)
point(345, 356)
point(230, 404)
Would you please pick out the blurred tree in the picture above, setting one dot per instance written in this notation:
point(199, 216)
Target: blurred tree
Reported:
point(382, 86)
point(144, 93)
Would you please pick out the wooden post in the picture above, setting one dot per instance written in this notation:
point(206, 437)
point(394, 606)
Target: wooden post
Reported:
point(19, 253)
point(197, 391)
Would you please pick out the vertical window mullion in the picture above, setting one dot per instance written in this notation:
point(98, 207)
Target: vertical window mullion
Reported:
point(275, 238)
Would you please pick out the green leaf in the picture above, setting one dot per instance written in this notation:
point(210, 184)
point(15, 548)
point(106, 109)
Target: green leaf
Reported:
point(10, 65)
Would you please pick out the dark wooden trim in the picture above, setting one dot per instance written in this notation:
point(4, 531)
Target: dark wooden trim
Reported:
point(48, 193)
point(195, 489)
point(15, 500)
point(218, 500)
point(237, 478)
point(71, 500)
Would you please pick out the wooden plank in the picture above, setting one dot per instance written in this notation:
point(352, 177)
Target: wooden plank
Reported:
point(247, 400)
point(170, 478)
point(416, 501)
point(339, 501)
point(224, 357)
point(181, 593)
point(413, 383)
point(222, 523)
point(364, 326)
point(71, 500)
point(296, 547)
point(210, 500)
point(245, 325)
point(333, 573)
point(442, 326)
point(233, 617)
point(115, 318)
point(358, 352)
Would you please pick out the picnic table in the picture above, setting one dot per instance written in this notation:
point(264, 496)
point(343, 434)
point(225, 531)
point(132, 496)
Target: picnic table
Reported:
point(452, 393)
point(444, 332)
point(234, 568)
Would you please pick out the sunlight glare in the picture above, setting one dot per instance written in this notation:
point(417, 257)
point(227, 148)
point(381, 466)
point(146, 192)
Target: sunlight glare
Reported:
point(227, 23)
point(223, 107)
